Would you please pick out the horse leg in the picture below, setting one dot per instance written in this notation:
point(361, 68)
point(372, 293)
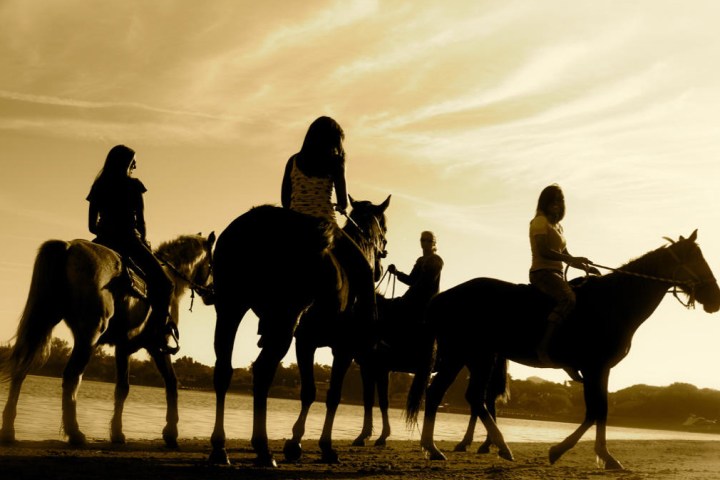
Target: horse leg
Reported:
point(597, 397)
point(341, 363)
point(72, 376)
point(305, 353)
point(447, 372)
point(225, 330)
point(368, 375)
point(469, 434)
point(170, 431)
point(383, 382)
point(7, 433)
point(122, 389)
point(264, 368)
point(595, 393)
point(476, 396)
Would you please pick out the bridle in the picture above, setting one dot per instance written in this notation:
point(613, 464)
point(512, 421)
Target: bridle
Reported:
point(202, 290)
point(689, 286)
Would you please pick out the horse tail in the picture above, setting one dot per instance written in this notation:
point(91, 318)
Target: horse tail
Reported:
point(426, 362)
point(43, 310)
point(498, 386)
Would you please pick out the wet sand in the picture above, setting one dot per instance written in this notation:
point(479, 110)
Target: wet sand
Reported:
point(151, 460)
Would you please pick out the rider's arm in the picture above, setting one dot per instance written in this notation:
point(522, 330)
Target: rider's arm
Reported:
point(541, 242)
point(340, 188)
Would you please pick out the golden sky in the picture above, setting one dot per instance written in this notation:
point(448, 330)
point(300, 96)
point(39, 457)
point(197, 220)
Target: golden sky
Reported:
point(462, 110)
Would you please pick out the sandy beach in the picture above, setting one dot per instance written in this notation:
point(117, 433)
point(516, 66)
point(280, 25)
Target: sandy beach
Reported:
point(150, 460)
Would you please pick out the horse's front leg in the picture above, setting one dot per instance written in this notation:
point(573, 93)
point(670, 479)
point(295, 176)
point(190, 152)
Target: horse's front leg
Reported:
point(383, 383)
point(225, 331)
point(305, 353)
point(170, 431)
point(72, 376)
point(274, 349)
point(122, 389)
point(595, 392)
point(597, 399)
point(367, 374)
point(7, 433)
point(341, 363)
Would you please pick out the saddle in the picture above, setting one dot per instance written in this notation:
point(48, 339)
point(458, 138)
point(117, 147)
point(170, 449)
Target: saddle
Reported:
point(132, 279)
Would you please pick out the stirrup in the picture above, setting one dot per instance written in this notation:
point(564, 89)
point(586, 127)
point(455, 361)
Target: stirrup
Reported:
point(173, 334)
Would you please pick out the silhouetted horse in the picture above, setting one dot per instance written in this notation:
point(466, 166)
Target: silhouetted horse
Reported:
point(406, 340)
point(278, 263)
point(483, 322)
point(324, 326)
point(87, 285)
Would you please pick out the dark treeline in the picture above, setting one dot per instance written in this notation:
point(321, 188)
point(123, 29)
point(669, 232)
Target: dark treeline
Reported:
point(678, 406)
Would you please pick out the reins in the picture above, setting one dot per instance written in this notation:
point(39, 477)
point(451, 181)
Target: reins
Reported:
point(194, 286)
point(689, 284)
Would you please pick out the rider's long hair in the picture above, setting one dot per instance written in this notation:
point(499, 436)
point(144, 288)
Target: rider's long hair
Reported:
point(547, 197)
point(322, 152)
point(114, 172)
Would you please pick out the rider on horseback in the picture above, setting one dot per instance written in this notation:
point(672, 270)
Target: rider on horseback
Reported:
point(549, 251)
point(116, 217)
point(309, 179)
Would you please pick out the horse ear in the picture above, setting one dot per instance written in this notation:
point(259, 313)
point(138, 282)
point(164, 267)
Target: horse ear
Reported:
point(211, 238)
point(352, 201)
point(693, 237)
point(385, 204)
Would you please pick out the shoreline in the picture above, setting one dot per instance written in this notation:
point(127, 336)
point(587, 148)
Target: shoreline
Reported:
point(151, 460)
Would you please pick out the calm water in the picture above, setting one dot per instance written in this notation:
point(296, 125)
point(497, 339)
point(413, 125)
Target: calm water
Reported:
point(39, 417)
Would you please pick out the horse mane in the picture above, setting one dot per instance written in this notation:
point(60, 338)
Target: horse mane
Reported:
point(650, 257)
point(181, 252)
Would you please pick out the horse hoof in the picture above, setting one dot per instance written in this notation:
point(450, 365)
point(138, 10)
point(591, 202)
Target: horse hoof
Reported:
point(380, 442)
point(219, 456)
point(292, 451)
point(611, 464)
point(77, 439)
point(7, 436)
point(118, 439)
point(330, 457)
point(171, 442)
point(554, 454)
point(506, 454)
point(460, 447)
point(434, 454)
point(266, 461)
point(483, 449)
point(358, 442)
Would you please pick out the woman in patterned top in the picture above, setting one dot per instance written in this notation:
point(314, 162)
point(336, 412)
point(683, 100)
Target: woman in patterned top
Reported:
point(310, 177)
point(549, 252)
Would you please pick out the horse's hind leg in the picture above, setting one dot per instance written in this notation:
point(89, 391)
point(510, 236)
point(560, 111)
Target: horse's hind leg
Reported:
point(383, 382)
point(225, 331)
point(476, 396)
point(305, 353)
point(367, 374)
point(122, 389)
point(72, 376)
point(447, 371)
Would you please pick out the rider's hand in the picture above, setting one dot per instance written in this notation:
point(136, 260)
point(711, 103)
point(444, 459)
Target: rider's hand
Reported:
point(341, 210)
point(392, 269)
point(593, 271)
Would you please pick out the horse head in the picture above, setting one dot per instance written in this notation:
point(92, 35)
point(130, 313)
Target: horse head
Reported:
point(202, 277)
point(692, 274)
point(367, 226)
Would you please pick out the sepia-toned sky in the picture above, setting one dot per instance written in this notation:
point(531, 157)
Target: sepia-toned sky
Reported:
point(462, 110)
